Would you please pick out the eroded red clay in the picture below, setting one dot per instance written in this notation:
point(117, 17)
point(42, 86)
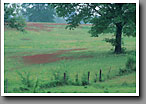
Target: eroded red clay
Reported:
point(38, 26)
point(31, 29)
point(45, 26)
point(53, 57)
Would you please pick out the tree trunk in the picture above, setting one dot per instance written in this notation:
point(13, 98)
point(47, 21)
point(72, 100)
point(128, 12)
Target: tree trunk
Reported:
point(118, 48)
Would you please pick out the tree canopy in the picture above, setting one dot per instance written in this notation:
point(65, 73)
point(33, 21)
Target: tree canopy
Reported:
point(38, 12)
point(12, 16)
point(119, 16)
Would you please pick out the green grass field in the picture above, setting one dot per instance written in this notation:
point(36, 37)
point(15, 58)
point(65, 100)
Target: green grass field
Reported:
point(87, 54)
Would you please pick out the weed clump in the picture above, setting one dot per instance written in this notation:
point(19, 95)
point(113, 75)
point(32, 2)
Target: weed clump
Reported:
point(130, 66)
point(28, 84)
point(131, 63)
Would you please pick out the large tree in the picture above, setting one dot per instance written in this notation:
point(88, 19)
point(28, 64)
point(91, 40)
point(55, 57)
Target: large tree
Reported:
point(38, 12)
point(12, 16)
point(121, 16)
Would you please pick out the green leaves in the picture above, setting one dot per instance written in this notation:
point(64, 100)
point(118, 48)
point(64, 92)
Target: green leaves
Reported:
point(74, 13)
point(38, 12)
point(12, 16)
point(100, 15)
point(129, 29)
point(18, 23)
point(100, 24)
point(104, 17)
point(112, 41)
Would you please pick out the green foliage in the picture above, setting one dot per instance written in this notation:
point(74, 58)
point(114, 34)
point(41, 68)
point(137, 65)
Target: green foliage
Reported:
point(84, 79)
point(53, 83)
point(123, 71)
point(18, 23)
point(130, 18)
point(101, 16)
point(38, 12)
point(100, 24)
point(25, 79)
point(112, 41)
point(130, 30)
point(5, 85)
point(28, 83)
point(12, 16)
point(57, 80)
point(131, 63)
point(16, 48)
point(106, 90)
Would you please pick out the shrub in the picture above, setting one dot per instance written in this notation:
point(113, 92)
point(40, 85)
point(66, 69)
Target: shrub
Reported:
point(58, 80)
point(25, 79)
point(28, 84)
point(106, 90)
point(5, 85)
point(131, 63)
point(84, 80)
point(17, 22)
point(123, 71)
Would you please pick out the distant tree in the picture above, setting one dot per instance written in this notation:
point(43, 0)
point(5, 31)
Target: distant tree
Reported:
point(120, 16)
point(12, 16)
point(59, 20)
point(38, 12)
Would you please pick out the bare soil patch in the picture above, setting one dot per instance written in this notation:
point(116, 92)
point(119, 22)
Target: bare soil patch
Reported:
point(45, 26)
point(38, 27)
point(53, 57)
point(31, 29)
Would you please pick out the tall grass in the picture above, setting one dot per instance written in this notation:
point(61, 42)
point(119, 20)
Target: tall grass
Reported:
point(50, 75)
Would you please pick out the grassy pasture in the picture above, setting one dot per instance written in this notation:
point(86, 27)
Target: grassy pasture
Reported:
point(95, 54)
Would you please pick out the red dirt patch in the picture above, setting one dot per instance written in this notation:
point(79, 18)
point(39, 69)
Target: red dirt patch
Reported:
point(38, 27)
point(31, 29)
point(56, 24)
point(45, 26)
point(64, 24)
point(53, 57)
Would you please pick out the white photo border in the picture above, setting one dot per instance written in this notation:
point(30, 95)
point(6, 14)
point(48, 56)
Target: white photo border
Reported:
point(70, 94)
